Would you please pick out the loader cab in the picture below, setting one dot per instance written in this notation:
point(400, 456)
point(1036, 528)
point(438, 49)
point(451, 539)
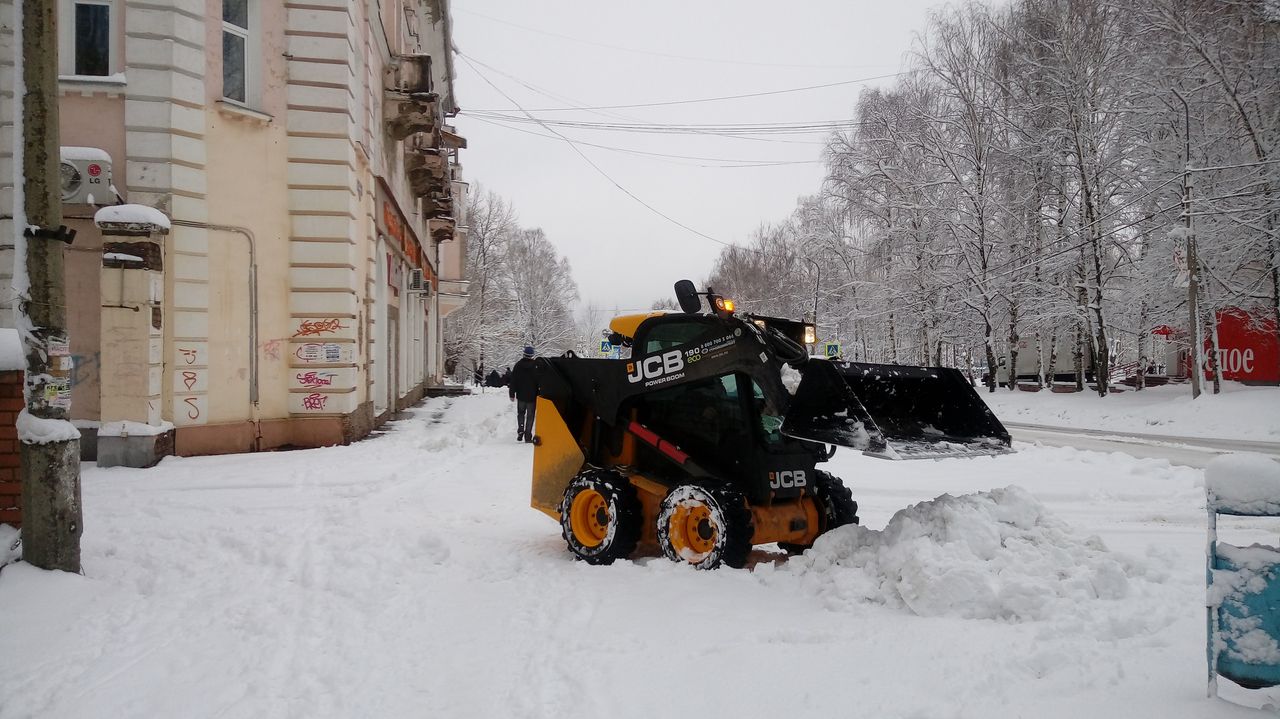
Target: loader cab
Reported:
point(731, 428)
point(729, 417)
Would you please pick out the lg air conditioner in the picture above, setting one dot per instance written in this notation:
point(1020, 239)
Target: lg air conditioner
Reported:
point(86, 176)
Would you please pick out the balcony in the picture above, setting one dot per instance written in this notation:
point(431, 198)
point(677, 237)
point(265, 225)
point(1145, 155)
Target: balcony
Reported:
point(441, 228)
point(436, 205)
point(411, 114)
point(426, 171)
point(411, 104)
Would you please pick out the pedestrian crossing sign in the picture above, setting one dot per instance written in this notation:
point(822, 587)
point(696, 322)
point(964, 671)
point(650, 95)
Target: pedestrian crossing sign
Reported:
point(605, 347)
point(831, 349)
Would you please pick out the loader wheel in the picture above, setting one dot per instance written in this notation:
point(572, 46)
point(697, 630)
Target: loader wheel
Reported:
point(600, 516)
point(836, 507)
point(705, 527)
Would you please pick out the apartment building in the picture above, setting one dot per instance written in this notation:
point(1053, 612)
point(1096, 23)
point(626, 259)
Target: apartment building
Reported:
point(302, 156)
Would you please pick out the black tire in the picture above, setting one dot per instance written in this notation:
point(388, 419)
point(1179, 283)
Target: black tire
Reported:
point(705, 526)
point(836, 507)
point(604, 525)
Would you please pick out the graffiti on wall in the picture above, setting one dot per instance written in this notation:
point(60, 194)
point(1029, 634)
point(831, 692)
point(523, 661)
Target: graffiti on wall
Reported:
point(315, 401)
point(315, 328)
point(316, 379)
point(271, 350)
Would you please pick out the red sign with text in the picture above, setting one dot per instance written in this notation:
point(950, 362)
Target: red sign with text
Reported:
point(1247, 348)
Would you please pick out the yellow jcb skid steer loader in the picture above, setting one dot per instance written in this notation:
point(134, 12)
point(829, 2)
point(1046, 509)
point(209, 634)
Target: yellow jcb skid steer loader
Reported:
point(701, 445)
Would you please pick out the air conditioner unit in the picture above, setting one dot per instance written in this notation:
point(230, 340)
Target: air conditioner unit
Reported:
point(86, 176)
point(418, 283)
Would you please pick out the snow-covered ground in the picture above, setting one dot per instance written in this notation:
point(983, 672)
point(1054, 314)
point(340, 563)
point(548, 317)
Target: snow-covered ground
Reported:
point(1240, 412)
point(405, 576)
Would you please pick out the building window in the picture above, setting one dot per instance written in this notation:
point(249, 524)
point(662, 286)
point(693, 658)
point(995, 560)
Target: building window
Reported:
point(236, 54)
point(86, 38)
point(93, 39)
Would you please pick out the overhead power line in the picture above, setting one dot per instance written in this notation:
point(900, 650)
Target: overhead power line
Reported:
point(764, 128)
point(726, 162)
point(721, 98)
point(600, 170)
point(655, 53)
point(636, 126)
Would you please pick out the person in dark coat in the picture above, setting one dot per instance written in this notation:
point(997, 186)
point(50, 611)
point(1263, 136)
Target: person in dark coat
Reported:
point(493, 380)
point(523, 390)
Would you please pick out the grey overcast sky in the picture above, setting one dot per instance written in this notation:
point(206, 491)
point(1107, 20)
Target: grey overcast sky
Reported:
point(550, 55)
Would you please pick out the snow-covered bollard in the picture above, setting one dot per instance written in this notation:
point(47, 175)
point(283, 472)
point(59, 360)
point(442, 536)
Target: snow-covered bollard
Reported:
point(1243, 592)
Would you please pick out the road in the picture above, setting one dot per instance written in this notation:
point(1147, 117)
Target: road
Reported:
point(1186, 451)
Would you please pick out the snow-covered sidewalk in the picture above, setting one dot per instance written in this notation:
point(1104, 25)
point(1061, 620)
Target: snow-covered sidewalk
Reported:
point(1240, 412)
point(405, 576)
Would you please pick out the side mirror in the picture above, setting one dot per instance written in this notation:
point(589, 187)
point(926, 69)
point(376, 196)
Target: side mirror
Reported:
point(687, 296)
point(616, 339)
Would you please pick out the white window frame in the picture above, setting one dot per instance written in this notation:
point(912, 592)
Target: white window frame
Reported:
point(252, 36)
point(67, 39)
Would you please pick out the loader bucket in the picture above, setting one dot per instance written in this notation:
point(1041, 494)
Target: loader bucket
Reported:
point(906, 412)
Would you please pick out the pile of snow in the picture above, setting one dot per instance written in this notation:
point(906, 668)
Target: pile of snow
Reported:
point(1243, 483)
point(130, 216)
point(11, 350)
point(991, 555)
point(38, 430)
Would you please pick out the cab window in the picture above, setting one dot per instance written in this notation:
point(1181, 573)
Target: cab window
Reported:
point(672, 334)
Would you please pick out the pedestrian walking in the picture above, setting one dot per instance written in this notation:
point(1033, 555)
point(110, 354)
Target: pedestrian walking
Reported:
point(523, 390)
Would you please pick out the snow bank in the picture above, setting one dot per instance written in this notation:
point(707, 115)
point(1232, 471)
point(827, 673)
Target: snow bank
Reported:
point(11, 350)
point(990, 555)
point(130, 215)
point(1240, 412)
point(125, 428)
point(37, 430)
point(1243, 483)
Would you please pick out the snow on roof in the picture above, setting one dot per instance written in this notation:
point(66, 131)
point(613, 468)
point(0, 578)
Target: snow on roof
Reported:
point(1243, 483)
point(88, 154)
point(11, 350)
point(130, 215)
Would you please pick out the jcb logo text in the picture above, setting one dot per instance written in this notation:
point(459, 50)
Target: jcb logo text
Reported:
point(655, 366)
point(787, 479)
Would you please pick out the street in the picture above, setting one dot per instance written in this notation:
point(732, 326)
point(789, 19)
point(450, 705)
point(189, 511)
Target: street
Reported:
point(1185, 451)
point(406, 576)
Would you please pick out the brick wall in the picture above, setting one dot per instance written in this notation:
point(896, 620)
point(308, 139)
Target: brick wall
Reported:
point(10, 486)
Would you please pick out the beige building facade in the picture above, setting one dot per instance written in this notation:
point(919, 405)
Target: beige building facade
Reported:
point(302, 155)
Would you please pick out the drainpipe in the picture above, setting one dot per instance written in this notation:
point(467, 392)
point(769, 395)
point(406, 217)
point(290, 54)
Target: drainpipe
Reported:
point(253, 302)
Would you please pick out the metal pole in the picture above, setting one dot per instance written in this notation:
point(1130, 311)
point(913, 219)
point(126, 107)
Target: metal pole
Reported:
point(1193, 282)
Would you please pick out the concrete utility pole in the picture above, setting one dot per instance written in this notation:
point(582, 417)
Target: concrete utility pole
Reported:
point(51, 516)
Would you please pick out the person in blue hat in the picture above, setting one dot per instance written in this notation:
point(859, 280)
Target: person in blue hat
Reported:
point(523, 390)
